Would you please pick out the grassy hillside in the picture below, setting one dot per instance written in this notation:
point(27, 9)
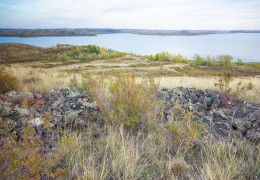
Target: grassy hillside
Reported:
point(12, 53)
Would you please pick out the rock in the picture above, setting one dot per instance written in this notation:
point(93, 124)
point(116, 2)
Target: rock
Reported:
point(194, 98)
point(219, 113)
point(6, 111)
point(207, 120)
point(22, 111)
point(36, 122)
point(216, 103)
point(162, 95)
point(241, 124)
point(12, 94)
point(238, 119)
point(253, 136)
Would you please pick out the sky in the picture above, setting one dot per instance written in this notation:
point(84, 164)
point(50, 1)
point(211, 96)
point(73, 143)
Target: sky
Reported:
point(141, 14)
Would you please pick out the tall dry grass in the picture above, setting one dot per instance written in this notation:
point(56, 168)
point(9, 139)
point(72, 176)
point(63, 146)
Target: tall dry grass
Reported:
point(40, 79)
point(117, 154)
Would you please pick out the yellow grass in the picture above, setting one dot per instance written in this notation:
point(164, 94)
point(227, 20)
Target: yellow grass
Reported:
point(43, 80)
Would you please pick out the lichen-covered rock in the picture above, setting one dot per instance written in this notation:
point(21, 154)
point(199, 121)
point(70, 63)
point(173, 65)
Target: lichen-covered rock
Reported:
point(66, 107)
point(238, 119)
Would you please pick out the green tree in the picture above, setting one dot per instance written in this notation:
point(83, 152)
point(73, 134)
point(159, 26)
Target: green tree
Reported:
point(225, 59)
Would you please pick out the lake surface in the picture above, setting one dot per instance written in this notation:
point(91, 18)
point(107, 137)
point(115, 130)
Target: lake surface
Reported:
point(241, 45)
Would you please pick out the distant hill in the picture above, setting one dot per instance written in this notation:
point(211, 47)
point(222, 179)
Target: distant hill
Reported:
point(12, 52)
point(96, 31)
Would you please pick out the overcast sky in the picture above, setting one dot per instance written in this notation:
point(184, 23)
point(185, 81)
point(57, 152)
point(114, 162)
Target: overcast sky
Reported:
point(144, 14)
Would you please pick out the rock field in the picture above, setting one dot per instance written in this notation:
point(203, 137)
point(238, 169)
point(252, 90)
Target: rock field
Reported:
point(72, 108)
point(238, 118)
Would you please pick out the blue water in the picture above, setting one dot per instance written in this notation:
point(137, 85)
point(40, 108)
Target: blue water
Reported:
point(244, 46)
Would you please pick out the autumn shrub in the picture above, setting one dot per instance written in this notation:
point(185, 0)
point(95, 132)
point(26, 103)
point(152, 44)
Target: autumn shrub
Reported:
point(123, 99)
point(131, 101)
point(8, 82)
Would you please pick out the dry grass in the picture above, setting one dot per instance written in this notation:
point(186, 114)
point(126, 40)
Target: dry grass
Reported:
point(173, 151)
point(120, 155)
point(41, 80)
point(153, 151)
point(208, 83)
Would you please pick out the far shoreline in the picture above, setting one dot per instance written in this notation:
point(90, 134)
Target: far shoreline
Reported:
point(66, 32)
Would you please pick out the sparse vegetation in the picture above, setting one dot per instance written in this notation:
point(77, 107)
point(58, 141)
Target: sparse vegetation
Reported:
point(133, 140)
point(86, 53)
point(225, 89)
point(197, 60)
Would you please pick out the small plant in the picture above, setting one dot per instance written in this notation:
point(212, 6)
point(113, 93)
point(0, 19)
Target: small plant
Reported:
point(240, 89)
point(224, 86)
point(74, 83)
point(8, 82)
point(225, 89)
point(239, 62)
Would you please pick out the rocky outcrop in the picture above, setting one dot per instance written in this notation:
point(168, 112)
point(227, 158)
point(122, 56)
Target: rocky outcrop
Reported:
point(71, 109)
point(239, 119)
point(61, 108)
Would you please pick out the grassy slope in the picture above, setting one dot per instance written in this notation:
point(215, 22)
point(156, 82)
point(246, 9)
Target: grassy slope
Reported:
point(12, 52)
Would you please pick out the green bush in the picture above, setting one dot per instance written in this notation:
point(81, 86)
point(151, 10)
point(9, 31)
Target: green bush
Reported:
point(164, 56)
point(239, 62)
point(200, 61)
point(7, 81)
point(180, 59)
point(86, 53)
point(225, 59)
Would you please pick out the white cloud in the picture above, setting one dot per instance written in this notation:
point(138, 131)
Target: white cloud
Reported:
point(147, 14)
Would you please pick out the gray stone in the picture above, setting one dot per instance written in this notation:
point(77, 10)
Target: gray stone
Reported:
point(238, 119)
point(22, 111)
point(221, 114)
point(7, 111)
point(253, 136)
point(241, 124)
